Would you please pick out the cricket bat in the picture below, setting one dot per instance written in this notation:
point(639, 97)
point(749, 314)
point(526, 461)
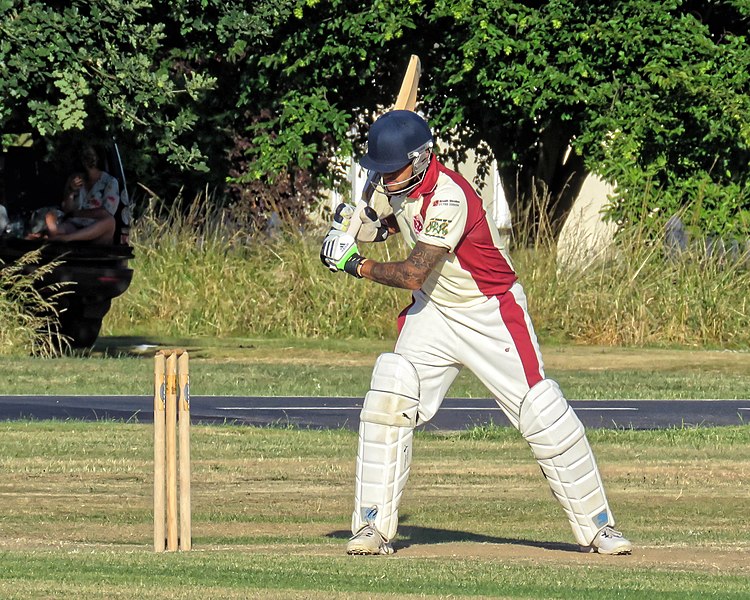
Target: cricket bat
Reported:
point(406, 100)
point(407, 95)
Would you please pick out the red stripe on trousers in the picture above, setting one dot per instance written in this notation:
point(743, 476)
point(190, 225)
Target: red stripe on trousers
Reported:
point(402, 316)
point(514, 318)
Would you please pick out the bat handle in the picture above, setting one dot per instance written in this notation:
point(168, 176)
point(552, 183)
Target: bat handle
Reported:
point(356, 219)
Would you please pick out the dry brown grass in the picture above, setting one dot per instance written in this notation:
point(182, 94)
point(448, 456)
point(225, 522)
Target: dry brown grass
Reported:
point(271, 510)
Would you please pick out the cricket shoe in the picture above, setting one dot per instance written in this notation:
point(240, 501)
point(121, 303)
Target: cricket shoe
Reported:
point(368, 541)
point(609, 541)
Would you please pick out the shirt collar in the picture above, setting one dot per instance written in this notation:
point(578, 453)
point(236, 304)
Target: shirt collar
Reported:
point(429, 181)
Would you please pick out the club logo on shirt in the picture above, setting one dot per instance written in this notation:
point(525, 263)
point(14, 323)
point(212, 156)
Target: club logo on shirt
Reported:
point(418, 223)
point(437, 228)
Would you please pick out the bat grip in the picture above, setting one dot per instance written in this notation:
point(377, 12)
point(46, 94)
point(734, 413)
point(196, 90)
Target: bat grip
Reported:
point(356, 219)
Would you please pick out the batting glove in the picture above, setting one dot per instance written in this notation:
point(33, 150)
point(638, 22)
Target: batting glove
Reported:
point(372, 230)
point(342, 217)
point(339, 252)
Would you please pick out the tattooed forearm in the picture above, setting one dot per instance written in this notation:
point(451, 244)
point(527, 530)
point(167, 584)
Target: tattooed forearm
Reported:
point(395, 274)
point(410, 273)
point(424, 257)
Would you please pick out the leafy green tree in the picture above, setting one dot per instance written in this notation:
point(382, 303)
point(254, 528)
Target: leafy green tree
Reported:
point(165, 76)
point(664, 80)
point(226, 41)
point(646, 93)
point(77, 66)
point(652, 95)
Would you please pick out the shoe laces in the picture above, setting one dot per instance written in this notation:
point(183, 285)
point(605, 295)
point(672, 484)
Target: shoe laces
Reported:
point(370, 531)
point(367, 531)
point(609, 532)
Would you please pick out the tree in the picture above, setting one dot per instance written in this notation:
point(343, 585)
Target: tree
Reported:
point(642, 91)
point(165, 76)
point(91, 66)
point(647, 93)
point(542, 78)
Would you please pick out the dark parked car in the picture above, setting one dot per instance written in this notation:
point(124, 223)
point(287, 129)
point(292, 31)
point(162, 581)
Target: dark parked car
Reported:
point(97, 273)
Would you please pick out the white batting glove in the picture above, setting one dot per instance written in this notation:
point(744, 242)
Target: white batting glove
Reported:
point(372, 230)
point(342, 217)
point(339, 252)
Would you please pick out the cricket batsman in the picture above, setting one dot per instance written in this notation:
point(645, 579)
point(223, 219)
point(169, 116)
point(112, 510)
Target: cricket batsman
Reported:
point(468, 309)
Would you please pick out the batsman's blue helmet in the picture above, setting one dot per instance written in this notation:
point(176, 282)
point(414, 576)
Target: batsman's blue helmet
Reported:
point(396, 139)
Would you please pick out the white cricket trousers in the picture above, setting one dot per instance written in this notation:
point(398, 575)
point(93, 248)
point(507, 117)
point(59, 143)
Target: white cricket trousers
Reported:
point(494, 339)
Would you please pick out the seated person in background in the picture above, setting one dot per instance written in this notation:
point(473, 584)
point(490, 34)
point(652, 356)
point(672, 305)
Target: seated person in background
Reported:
point(89, 204)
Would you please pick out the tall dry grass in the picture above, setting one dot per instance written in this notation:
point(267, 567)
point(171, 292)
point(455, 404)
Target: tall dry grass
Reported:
point(637, 291)
point(29, 321)
point(636, 295)
point(198, 274)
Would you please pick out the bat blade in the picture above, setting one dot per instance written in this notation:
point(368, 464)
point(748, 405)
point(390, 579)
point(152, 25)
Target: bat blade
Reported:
point(407, 95)
point(406, 100)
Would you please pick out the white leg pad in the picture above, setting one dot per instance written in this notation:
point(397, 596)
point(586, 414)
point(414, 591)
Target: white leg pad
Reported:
point(558, 441)
point(386, 430)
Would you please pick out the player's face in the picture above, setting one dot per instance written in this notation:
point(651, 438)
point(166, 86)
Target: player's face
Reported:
point(88, 157)
point(396, 181)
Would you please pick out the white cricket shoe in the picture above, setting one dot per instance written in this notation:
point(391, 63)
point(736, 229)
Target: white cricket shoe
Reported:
point(368, 541)
point(609, 541)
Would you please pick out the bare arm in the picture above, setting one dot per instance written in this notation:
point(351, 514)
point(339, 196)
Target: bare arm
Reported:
point(409, 274)
point(72, 187)
point(90, 213)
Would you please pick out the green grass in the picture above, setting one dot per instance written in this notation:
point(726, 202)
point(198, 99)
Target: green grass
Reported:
point(194, 276)
point(312, 367)
point(271, 509)
point(260, 574)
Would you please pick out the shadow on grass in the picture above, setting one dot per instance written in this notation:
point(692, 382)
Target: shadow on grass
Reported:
point(138, 346)
point(409, 536)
